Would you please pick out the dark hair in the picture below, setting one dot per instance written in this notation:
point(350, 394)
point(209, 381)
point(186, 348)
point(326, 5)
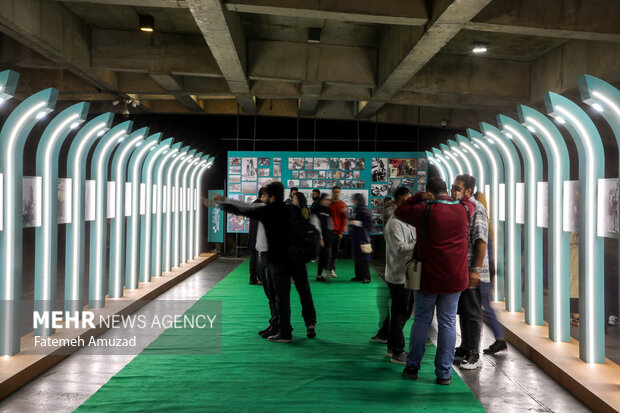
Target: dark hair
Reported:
point(336, 187)
point(469, 182)
point(400, 192)
point(436, 186)
point(276, 190)
point(301, 200)
point(261, 191)
point(358, 199)
point(324, 195)
point(316, 190)
point(294, 189)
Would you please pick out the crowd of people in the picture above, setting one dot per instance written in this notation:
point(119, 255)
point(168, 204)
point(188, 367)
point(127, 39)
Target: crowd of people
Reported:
point(447, 232)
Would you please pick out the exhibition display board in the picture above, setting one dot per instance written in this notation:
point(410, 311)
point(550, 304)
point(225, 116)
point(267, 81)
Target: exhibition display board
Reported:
point(376, 175)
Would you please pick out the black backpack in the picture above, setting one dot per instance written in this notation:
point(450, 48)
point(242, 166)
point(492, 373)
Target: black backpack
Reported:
point(305, 239)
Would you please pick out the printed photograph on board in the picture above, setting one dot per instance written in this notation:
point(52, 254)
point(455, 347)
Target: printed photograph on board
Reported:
point(377, 219)
point(234, 170)
point(235, 223)
point(234, 187)
point(277, 161)
point(234, 179)
point(292, 183)
point(394, 184)
point(359, 184)
point(264, 161)
point(321, 163)
point(339, 174)
point(306, 183)
point(334, 163)
point(64, 200)
point(348, 175)
point(250, 198)
point(312, 174)
point(402, 168)
point(330, 183)
point(347, 163)
point(378, 169)
point(309, 163)
point(421, 164)
point(329, 174)
point(421, 176)
point(263, 172)
point(409, 183)
point(322, 174)
point(277, 169)
point(319, 184)
point(345, 184)
point(248, 169)
point(379, 189)
point(376, 202)
point(249, 187)
point(234, 161)
point(360, 164)
point(295, 163)
point(421, 187)
point(608, 205)
point(31, 207)
point(302, 174)
point(265, 181)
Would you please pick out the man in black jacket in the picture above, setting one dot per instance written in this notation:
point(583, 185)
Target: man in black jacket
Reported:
point(278, 220)
point(255, 279)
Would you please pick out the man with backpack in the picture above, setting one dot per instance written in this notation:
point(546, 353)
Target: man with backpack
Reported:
point(285, 229)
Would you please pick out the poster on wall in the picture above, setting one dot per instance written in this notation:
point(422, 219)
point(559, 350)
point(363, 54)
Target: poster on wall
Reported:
point(235, 223)
point(379, 190)
point(248, 169)
point(403, 168)
point(89, 200)
point(571, 206)
point(542, 204)
point(520, 203)
point(64, 200)
point(277, 170)
point(608, 208)
point(31, 207)
point(379, 169)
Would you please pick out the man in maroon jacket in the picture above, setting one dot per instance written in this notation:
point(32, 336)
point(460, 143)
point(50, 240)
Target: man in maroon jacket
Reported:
point(442, 225)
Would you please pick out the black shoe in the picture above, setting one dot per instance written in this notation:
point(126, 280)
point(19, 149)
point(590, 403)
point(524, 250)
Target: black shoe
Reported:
point(253, 282)
point(379, 339)
point(444, 382)
point(260, 333)
point(471, 361)
point(400, 358)
point(366, 282)
point(410, 373)
point(356, 279)
point(459, 354)
point(311, 331)
point(279, 338)
point(499, 345)
point(319, 278)
point(268, 333)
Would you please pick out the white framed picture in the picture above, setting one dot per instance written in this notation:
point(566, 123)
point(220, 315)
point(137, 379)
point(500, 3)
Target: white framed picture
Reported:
point(607, 208)
point(89, 201)
point(542, 204)
point(31, 197)
point(571, 206)
point(64, 200)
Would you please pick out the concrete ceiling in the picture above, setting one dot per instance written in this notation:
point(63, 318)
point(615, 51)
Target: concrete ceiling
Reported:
point(393, 60)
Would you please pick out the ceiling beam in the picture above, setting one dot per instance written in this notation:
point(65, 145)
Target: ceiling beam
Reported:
point(65, 42)
point(223, 33)
point(135, 3)
point(310, 95)
point(410, 13)
point(405, 50)
point(582, 20)
point(174, 85)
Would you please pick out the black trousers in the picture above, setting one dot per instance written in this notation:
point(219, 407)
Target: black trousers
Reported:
point(282, 276)
point(253, 266)
point(362, 270)
point(269, 287)
point(470, 319)
point(402, 307)
point(325, 254)
point(335, 247)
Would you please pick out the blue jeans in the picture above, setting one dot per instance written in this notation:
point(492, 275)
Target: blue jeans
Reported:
point(487, 310)
point(424, 304)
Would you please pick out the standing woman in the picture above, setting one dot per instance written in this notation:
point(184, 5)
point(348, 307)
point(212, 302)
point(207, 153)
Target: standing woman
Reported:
point(359, 228)
point(299, 200)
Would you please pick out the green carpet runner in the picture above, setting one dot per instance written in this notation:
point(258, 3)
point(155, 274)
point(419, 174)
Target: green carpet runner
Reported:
point(338, 371)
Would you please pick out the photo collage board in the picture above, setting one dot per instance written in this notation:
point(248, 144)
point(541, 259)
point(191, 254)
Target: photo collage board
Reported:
point(376, 175)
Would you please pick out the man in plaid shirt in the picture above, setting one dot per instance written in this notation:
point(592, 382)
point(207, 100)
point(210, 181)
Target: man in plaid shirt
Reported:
point(470, 308)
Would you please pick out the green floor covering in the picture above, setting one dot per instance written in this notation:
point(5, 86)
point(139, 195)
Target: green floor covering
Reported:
point(338, 371)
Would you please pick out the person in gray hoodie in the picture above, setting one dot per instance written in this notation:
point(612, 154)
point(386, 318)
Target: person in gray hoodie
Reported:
point(400, 241)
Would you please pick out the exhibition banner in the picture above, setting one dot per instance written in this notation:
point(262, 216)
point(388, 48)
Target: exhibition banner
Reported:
point(376, 175)
point(216, 219)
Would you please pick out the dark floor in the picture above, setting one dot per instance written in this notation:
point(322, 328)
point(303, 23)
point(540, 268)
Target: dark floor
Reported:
point(508, 382)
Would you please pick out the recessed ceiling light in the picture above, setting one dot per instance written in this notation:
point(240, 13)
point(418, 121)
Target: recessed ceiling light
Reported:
point(479, 48)
point(314, 35)
point(147, 23)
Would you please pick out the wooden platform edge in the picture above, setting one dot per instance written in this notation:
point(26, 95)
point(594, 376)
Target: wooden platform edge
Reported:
point(594, 384)
point(20, 369)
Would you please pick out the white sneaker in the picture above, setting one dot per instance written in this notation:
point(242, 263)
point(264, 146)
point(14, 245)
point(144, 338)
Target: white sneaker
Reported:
point(471, 362)
point(613, 320)
point(333, 274)
point(326, 274)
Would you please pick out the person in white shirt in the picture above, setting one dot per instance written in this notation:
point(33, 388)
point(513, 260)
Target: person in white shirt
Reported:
point(400, 241)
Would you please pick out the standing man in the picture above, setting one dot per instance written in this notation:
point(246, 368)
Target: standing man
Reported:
point(442, 225)
point(470, 308)
point(254, 277)
point(289, 200)
point(339, 212)
point(399, 244)
point(316, 199)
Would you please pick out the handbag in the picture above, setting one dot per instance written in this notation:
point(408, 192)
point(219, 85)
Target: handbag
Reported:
point(366, 248)
point(413, 274)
